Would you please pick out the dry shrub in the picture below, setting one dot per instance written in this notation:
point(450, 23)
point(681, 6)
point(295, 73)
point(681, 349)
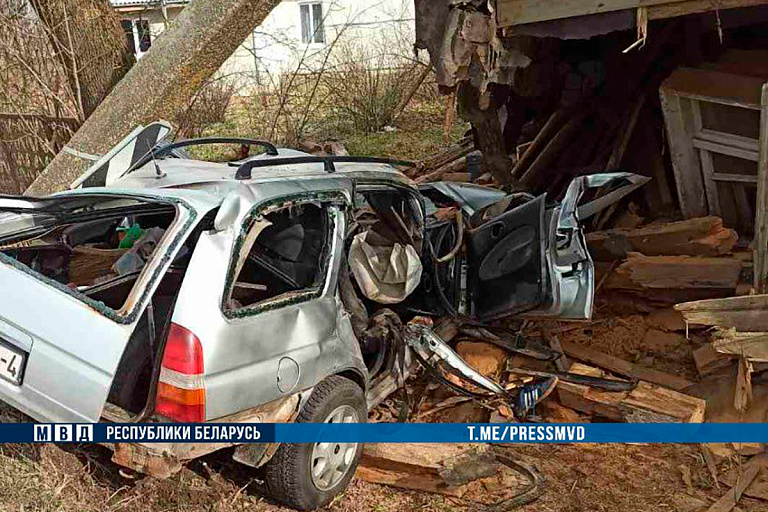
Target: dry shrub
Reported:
point(38, 111)
point(58, 61)
point(207, 107)
point(367, 87)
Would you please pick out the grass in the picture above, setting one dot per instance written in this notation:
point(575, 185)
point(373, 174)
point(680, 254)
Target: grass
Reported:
point(417, 134)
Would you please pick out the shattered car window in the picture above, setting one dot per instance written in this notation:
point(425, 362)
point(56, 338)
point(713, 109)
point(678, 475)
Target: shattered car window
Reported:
point(286, 258)
point(95, 245)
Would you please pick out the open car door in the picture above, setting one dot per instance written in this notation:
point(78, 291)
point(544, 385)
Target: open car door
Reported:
point(533, 259)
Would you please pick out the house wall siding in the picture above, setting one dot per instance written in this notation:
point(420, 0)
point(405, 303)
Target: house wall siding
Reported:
point(381, 32)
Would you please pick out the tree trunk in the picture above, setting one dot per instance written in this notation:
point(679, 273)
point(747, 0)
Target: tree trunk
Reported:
point(89, 43)
point(488, 132)
point(192, 49)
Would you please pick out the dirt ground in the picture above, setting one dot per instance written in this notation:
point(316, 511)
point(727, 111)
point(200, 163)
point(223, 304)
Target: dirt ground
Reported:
point(578, 478)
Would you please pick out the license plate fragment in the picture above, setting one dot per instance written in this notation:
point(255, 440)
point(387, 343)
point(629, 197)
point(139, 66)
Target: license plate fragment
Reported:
point(11, 363)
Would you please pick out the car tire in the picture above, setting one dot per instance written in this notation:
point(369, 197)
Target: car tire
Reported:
point(294, 476)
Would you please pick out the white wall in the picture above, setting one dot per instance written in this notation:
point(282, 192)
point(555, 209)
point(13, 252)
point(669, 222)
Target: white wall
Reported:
point(360, 24)
point(383, 27)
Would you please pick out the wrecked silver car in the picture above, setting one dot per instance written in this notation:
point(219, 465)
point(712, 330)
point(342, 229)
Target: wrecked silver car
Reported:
point(270, 289)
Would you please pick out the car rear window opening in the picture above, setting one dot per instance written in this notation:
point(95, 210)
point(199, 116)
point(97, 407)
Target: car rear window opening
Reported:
point(97, 246)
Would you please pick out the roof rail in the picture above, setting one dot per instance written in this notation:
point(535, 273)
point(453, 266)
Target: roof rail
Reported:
point(244, 170)
point(160, 150)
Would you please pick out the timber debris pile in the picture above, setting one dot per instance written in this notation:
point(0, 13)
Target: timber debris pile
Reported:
point(679, 331)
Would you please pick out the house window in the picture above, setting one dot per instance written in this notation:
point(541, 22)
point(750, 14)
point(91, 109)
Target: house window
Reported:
point(128, 31)
point(142, 35)
point(312, 30)
point(137, 36)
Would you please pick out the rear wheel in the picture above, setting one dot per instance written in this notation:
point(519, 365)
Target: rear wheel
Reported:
point(309, 476)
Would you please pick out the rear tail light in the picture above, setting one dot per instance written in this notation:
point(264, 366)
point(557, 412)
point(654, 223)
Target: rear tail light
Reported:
point(180, 389)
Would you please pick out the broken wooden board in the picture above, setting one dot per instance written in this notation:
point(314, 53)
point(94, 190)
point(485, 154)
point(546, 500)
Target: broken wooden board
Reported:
point(743, 396)
point(702, 236)
point(647, 403)
point(746, 314)
point(666, 280)
point(708, 360)
point(757, 489)
point(467, 471)
point(748, 473)
point(415, 466)
point(749, 345)
point(624, 368)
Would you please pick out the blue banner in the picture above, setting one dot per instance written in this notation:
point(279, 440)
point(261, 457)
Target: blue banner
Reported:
point(384, 433)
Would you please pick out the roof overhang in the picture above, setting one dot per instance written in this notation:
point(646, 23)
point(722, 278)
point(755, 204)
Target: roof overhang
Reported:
point(523, 12)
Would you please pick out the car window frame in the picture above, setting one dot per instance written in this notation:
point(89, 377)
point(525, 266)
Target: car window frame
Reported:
point(333, 204)
point(185, 217)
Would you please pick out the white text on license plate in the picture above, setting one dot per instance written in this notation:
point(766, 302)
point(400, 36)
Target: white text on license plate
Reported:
point(11, 364)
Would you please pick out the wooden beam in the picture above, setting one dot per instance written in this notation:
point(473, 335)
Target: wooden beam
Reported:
point(761, 221)
point(624, 368)
point(644, 273)
point(647, 403)
point(747, 314)
point(675, 9)
point(701, 236)
point(708, 360)
point(519, 12)
point(423, 467)
point(749, 345)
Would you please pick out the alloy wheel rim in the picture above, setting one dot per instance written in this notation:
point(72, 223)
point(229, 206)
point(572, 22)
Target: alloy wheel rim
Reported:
point(330, 462)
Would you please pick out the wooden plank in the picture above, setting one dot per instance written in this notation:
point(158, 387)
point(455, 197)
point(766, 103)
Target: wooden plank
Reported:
point(708, 170)
point(729, 139)
point(675, 9)
point(700, 236)
point(729, 304)
point(715, 86)
point(546, 133)
point(639, 272)
point(749, 345)
point(519, 12)
point(742, 396)
point(748, 474)
point(734, 178)
point(562, 362)
point(647, 403)
point(761, 218)
point(708, 360)
point(685, 160)
point(748, 313)
point(624, 368)
point(422, 467)
point(716, 147)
